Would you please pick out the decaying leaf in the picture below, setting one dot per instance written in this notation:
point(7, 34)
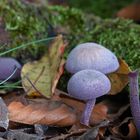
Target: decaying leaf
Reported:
point(93, 132)
point(39, 111)
point(119, 79)
point(4, 120)
point(130, 12)
point(126, 130)
point(103, 110)
point(43, 75)
point(60, 110)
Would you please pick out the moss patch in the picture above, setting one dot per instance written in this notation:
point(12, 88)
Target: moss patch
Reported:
point(26, 23)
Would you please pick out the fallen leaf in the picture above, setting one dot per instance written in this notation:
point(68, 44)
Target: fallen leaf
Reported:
point(61, 110)
point(4, 120)
point(130, 12)
point(93, 132)
point(119, 79)
point(109, 107)
point(39, 111)
point(126, 129)
point(43, 75)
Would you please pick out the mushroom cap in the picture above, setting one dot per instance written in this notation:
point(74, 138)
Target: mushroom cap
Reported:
point(88, 84)
point(7, 67)
point(91, 56)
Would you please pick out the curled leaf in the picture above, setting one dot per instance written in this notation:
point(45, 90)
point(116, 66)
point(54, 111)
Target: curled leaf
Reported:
point(39, 111)
point(43, 75)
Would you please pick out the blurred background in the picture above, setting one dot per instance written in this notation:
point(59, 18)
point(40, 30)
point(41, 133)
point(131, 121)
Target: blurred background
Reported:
point(105, 8)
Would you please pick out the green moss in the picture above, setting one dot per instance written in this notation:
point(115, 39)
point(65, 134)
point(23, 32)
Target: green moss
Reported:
point(24, 24)
point(122, 37)
point(119, 35)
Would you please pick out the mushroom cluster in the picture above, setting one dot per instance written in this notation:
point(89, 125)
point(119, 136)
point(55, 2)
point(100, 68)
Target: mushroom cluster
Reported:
point(89, 62)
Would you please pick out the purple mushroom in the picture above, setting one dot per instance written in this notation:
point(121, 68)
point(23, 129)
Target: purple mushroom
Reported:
point(7, 67)
point(87, 85)
point(134, 98)
point(91, 56)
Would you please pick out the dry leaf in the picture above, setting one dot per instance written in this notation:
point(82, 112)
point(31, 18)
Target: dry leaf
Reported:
point(4, 120)
point(130, 12)
point(43, 75)
point(61, 110)
point(126, 130)
point(39, 111)
point(119, 79)
point(103, 110)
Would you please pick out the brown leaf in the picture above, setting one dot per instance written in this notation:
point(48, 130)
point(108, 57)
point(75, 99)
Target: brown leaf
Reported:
point(119, 79)
point(39, 111)
point(61, 110)
point(125, 130)
point(103, 110)
point(130, 12)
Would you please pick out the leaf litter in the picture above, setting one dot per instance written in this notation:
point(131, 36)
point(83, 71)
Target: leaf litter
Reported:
point(111, 117)
point(63, 111)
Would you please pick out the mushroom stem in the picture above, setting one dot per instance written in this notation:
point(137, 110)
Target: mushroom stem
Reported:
point(134, 98)
point(87, 112)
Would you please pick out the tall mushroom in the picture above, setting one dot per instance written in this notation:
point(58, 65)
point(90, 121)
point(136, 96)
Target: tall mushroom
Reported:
point(134, 98)
point(88, 85)
point(91, 56)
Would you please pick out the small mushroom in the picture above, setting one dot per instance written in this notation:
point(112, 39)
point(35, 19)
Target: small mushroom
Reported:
point(91, 56)
point(87, 85)
point(7, 67)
